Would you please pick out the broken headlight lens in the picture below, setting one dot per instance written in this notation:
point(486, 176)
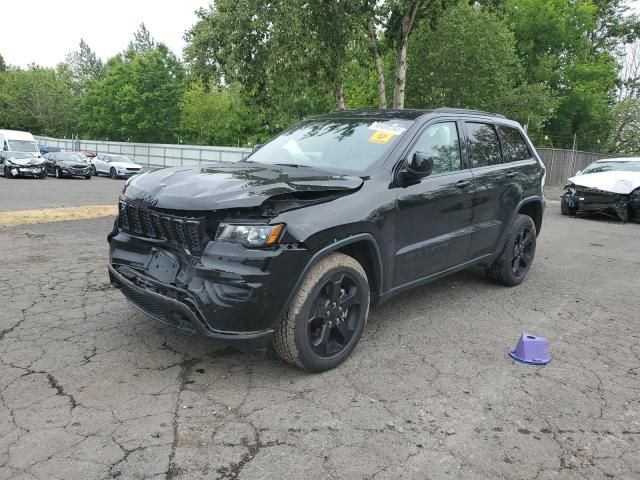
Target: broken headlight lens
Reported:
point(252, 236)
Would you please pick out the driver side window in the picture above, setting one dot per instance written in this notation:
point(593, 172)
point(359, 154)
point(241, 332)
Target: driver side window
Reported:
point(441, 142)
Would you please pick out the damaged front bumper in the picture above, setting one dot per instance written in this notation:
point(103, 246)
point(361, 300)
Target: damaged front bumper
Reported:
point(583, 201)
point(227, 293)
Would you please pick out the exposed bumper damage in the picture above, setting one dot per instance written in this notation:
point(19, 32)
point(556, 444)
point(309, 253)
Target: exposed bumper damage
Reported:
point(583, 201)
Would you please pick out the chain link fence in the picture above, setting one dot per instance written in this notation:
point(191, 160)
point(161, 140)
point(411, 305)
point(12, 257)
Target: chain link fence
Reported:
point(151, 154)
point(561, 164)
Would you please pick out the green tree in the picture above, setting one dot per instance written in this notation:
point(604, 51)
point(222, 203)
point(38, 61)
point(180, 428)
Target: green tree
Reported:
point(570, 47)
point(469, 60)
point(142, 40)
point(83, 65)
point(217, 116)
point(39, 100)
point(274, 50)
point(625, 138)
point(3, 66)
point(137, 99)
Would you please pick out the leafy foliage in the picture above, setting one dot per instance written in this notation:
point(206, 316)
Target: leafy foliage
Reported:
point(137, 99)
point(253, 67)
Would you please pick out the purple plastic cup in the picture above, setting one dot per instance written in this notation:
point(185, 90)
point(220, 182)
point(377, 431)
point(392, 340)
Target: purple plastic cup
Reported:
point(531, 350)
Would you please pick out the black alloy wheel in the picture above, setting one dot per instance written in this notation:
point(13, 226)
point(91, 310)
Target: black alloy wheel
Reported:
point(515, 259)
point(326, 316)
point(336, 315)
point(522, 252)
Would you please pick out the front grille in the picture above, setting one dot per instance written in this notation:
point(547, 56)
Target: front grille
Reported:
point(185, 232)
point(593, 195)
point(133, 169)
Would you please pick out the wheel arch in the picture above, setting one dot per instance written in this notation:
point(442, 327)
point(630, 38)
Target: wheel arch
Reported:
point(363, 247)
point(534, 208)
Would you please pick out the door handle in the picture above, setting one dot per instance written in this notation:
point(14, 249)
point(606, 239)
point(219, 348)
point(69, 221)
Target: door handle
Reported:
point(463, 184)
point(511, 174)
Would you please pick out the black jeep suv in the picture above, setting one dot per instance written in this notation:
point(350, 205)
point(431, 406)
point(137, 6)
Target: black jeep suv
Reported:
point(293, 244)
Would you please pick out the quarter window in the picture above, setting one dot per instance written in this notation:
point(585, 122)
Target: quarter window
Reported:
point(484, 147)
point(442, 143)
point(513, 145)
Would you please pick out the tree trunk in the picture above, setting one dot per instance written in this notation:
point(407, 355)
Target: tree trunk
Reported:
point(401, 76)
point(340, 97)
point(399, 84)
point(382, 93)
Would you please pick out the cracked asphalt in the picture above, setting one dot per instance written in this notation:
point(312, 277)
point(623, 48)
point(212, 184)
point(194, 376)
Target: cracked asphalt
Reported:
point(91, 389)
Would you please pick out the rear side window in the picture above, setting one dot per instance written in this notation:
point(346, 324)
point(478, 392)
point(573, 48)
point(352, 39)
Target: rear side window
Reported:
point(484, 147)
point(514, 146)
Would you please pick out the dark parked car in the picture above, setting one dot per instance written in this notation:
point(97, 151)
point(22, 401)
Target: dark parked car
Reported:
point(22, 164)
point(339, 212)
point(68, 165)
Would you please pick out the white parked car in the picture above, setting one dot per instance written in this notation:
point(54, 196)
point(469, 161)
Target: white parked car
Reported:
point(116, 166)
point(610, 186)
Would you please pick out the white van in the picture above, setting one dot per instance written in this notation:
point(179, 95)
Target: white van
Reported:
point(15, 141)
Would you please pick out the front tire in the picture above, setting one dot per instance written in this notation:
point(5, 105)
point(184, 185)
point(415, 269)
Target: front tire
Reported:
point(513, 263)
point(327, 315)
point(58, 172)
point(113, 174)
point(566, 209)
point(7, 173)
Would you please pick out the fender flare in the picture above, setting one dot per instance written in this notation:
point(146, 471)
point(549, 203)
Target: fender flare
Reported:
point(523, 202)
point(336, 245)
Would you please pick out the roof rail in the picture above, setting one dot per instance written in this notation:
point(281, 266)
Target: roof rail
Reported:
point(465, 110)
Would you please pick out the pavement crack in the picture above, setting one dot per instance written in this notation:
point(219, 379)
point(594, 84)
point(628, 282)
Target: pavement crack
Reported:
point(60, 389)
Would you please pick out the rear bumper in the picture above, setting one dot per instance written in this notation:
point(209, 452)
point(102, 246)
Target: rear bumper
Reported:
point(176, 314)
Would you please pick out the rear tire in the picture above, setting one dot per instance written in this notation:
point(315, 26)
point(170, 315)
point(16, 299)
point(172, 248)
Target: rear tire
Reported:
point(513, 263)
point(88, 177)
point(327, 315)
point(94, 172)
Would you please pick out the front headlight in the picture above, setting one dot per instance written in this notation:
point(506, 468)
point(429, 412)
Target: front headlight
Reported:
point(252, 236)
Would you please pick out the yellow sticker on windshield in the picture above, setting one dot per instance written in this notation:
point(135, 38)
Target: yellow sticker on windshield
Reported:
point(381, 137)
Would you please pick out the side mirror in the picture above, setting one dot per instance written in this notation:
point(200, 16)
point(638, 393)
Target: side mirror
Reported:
point(420, 165)
point(257, 147)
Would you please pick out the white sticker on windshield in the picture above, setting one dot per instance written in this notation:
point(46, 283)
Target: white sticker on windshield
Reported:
point(392, 128)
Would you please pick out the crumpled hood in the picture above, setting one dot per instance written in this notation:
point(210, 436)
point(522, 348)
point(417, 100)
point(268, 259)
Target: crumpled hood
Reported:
point(230, 185)
point(616, 182)
point(24, 162)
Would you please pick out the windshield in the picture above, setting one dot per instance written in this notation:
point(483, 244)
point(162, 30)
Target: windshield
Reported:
point(19, 155)
point(116, 158)
point(70, 157)
point(23, 146)
point(344, 144)
point(623, 166)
